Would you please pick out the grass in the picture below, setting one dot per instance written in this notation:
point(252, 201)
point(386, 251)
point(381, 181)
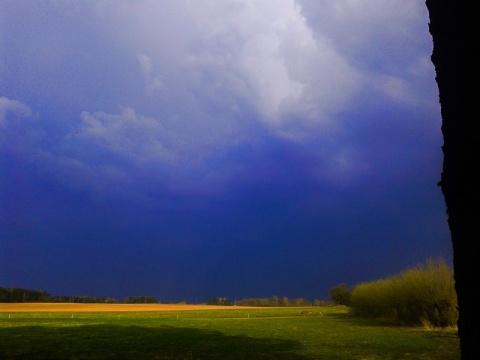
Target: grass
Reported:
point(230, 333)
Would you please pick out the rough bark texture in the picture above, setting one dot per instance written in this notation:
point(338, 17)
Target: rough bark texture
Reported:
point(455, 61)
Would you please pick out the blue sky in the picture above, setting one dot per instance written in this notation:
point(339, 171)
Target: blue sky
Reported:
point(195, 149)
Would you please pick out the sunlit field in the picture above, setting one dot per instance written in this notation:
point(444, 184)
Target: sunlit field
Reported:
point(157, 331)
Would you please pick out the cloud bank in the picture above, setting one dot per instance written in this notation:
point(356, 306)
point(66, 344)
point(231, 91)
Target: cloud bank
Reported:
point(180, 82)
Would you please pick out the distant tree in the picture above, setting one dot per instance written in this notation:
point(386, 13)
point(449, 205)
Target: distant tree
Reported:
point(219, 301)
point(18, 295)
point(300, 302)
point(340, 294)
point(317, 302)
point(140, 300)
point(275, 301)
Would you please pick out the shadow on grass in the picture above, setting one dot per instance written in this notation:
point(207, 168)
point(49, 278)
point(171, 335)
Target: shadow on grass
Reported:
point(136, 342)
point(351, 319)
point(354, 320)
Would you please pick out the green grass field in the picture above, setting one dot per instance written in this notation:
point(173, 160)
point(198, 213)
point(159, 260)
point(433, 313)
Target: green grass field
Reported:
point(232, 333)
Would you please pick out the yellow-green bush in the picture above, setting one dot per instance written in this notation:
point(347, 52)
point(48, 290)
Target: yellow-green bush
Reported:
point(424, 295)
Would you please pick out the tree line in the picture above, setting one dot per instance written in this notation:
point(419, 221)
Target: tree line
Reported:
point(19, 295)
point(274, 301)
point(16, 295)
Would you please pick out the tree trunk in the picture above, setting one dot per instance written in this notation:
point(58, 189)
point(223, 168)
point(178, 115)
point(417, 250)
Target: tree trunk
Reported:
point(450, 23)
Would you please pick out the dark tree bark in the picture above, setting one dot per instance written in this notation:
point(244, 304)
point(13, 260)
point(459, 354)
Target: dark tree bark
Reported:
point(456, 60)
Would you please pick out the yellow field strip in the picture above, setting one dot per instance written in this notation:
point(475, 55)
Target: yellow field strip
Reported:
point(70, 307)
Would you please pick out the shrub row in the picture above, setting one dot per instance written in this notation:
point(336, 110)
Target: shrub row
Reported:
point(276, 301)
point(424, 295)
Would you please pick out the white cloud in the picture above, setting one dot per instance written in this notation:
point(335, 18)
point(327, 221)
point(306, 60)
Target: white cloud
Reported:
point(268, 47)
point(197, 78)
point(153, 83)
point(260, 54)
point(396, 89)
point(367, 25)
point(131, 135)
point(295, 63)
point(13, 108)
point(387, 41)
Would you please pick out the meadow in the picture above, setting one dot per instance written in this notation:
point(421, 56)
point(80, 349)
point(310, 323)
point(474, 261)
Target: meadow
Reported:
point(154, 331)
